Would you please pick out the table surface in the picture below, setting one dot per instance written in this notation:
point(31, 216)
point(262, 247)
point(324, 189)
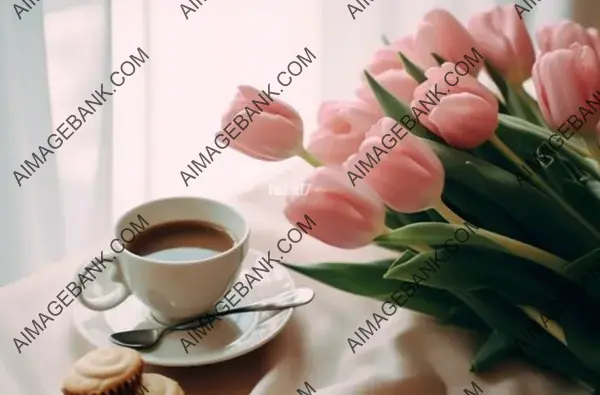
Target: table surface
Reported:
point(409, 354)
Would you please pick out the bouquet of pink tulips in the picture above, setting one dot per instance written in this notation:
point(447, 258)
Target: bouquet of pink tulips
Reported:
point(490, 197)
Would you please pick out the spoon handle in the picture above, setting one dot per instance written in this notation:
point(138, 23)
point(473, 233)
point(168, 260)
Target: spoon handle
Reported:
point(294, 298)
point(206, 319)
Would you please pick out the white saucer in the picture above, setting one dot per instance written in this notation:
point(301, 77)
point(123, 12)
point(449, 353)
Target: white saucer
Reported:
point(234, 335)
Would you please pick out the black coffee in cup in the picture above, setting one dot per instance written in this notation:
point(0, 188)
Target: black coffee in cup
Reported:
point(179, 241)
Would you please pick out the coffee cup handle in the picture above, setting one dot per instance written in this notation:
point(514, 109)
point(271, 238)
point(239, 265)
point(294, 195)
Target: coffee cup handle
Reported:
point(115, 297)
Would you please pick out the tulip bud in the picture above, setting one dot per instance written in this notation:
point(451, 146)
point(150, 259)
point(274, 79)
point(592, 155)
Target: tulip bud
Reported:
point(503, 39)
point(466, 114)
point(565, 80)
point(345, 216)
point(270, 132)
point(342, 127)
point(562, 35)
point(441, 33)
point(409, 177)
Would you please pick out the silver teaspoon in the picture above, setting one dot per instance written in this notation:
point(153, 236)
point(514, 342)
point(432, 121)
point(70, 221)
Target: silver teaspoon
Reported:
point(146, 338)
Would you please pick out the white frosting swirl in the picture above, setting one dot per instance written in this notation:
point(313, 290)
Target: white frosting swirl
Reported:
point(106, 362)
point(157, 384)
point(102, 368)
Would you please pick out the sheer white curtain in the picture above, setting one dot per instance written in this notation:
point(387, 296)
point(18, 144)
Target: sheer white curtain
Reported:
point(51, 60)
point(134, 147)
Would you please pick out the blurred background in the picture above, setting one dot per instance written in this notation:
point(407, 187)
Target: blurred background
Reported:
point(135, 146)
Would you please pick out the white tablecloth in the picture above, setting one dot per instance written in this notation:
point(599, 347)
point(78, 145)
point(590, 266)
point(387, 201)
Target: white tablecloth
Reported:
point(409, 355)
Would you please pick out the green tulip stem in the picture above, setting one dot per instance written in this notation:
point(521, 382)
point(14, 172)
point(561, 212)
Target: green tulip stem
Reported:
point(311, 160)
point(515, 104)
point(592, 144)
point(447, 213)
point(516, 247)
point(550, 326)
point(531, 104)
point(529, 173)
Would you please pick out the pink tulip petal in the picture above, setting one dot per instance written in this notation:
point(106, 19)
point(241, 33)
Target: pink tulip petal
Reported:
point(256, 155)
point(417, 149)
point(464, 120)
point(560, 63)
point(411, 190)
point(333, 149)
point(336, 225)
point(418, 55)
point(346, 217)
point(409, 177)
point(342, 126)
point(398, 82)
point(336, 179)
point(276, 107)
point(562, 35)
point(271, 135)
point(440, 32)
point(328, 109)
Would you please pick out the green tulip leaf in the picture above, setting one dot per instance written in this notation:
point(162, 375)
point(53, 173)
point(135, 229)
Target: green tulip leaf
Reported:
point(394, 108)
point(524, 126)
point(496, 348)
point(527, 335)
point(366, 279)
point(581, 330)
point(434, 234)
point(470, 268)
point(405, 257)
point(525, 205)
point(438, 59)
point(481, 210)
point(412, 69)
point(385, 40)
point(582, 164)
point(529, 146)
point(522, 129)
point(529, 142)
point(585, 272)
point(394, 219)
point(577, 193)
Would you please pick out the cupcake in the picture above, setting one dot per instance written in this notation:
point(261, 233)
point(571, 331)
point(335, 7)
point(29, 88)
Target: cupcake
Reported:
point(105, 371)
point(155, 384)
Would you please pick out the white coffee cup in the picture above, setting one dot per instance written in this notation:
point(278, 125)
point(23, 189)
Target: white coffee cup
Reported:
point(174, 290)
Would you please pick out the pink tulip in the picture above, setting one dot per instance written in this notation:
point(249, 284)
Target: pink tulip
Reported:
point(272, 135)
point(503, 40)
point(465, 115)
point(388, 58)
point(409, 177)
point(398, 82)
point(595, 37)
point(384, 59)
point(345, 216)
point(342, 127)
point(562, 35)
point(439, 32)
point(564, 80)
